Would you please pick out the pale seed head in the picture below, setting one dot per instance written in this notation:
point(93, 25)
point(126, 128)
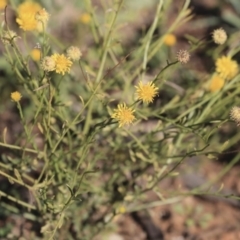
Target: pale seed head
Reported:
point(48, 64)
point(235, 114)
point(8, 37)
point(219, 36)
point(74, 53)
point(183, 56)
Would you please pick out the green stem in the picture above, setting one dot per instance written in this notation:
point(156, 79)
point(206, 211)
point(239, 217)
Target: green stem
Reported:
point(19, 148)
point(150, 35)
point(13, 199)
point(102, 64)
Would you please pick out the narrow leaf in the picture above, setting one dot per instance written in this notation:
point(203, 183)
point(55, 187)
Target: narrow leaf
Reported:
point(17, 174)
point(40, 127)
point(4, 134)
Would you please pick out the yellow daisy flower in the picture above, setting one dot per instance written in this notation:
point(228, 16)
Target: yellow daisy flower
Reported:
point(85, 18)
point(16, 96)
point(216, 83)
point(3, 4)
point(121, 209)
point(123, 114)
point(62, 63)
point(26, 15)
point(170, 40)
point(36, 54)
point(146, 92)
point(226, 67)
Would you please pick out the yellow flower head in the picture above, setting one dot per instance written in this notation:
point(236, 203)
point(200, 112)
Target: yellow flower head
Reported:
point(235, 115)
point(62, 63)
point(146, 92)
point(219, 36)
point(123, 114)
point(74, 53)
point(3, 4)
point(121, 210)
point(48, 64)
point(42, 17)
point(216, 83)
point(226, 67)
point(85, 18)
point(183, 56)
point(8, 37)
point(36, 54)
point(16, 96)
point(26, 15)
point(170, 39)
